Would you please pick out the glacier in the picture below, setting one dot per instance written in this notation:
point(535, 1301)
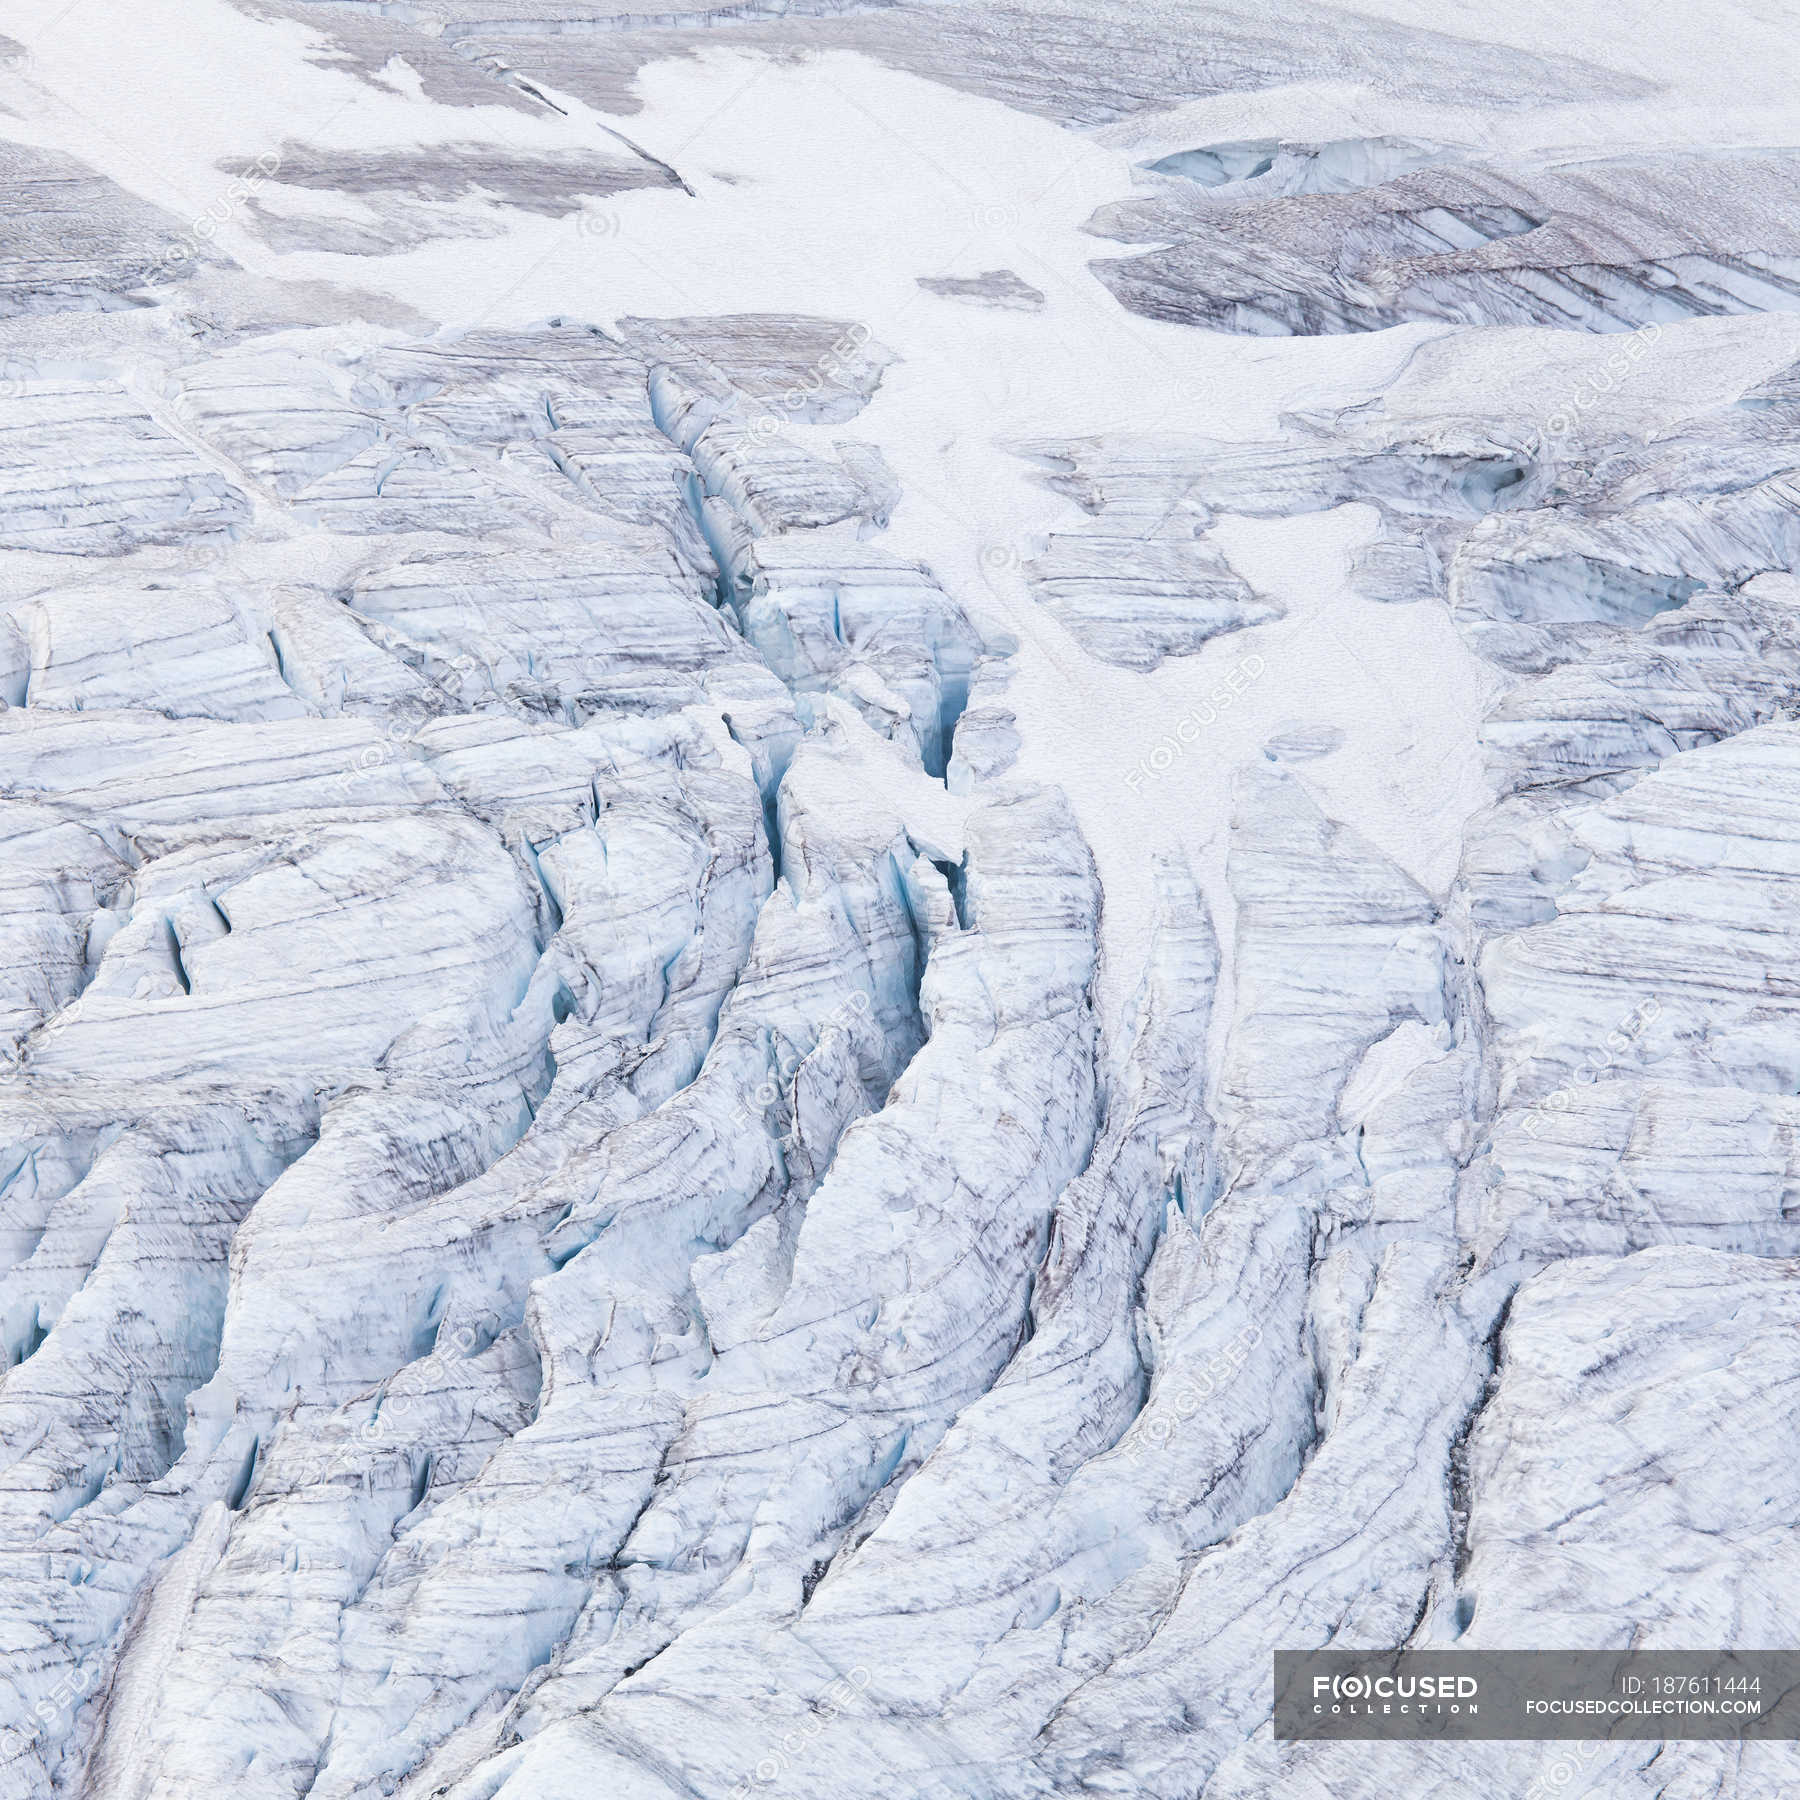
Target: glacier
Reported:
point(878, 873)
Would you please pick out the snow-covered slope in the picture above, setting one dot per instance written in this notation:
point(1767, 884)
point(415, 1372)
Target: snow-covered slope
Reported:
point(876, 875)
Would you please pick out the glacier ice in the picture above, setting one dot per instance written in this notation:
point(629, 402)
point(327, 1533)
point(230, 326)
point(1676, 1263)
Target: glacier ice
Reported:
point(681, 1113)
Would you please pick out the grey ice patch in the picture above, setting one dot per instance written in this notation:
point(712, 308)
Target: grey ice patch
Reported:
point(397, 230)
point(411, 192)
point(1084, 62)
point(1294, 740)
point(1136, 601)
point(997, 287)
point(774, 367)
point(553, 183)
point(363, 40)
point(74, 242)
point(1595, 245)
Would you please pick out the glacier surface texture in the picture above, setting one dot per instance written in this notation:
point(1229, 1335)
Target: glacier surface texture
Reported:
point(875, 873)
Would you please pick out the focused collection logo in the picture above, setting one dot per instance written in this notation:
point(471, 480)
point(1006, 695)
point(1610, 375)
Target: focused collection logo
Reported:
point(1464, 1695)
point(1382, 1692)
